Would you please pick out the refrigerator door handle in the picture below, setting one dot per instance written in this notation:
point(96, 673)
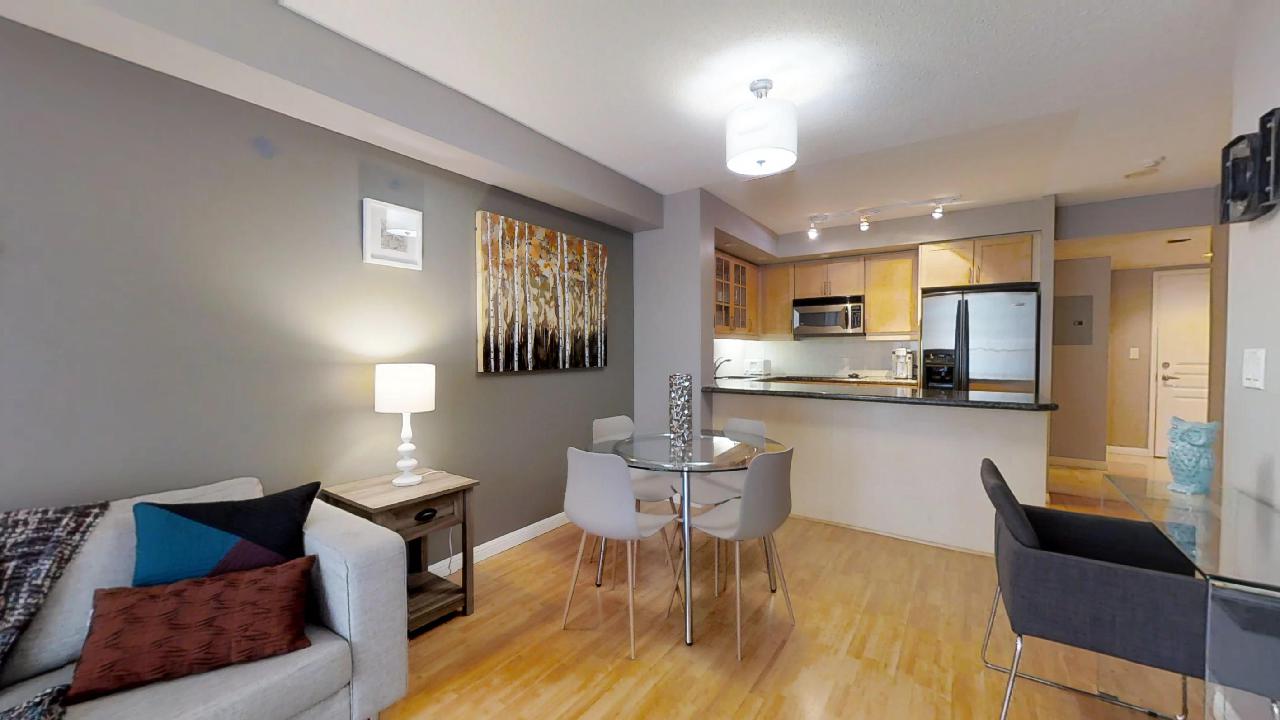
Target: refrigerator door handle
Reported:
point(962, 345)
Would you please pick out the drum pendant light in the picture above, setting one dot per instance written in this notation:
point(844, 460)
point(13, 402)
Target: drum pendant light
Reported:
point(760, 136)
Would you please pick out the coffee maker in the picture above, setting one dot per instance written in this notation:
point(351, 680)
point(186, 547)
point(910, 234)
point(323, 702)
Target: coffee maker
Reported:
point(904, 364)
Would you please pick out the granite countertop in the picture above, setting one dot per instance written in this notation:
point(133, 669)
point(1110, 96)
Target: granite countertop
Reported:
point(838, 390)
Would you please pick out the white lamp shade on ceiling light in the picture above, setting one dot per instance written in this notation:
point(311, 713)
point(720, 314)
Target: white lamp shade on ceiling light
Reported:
point(404, 387)
point(760, 137)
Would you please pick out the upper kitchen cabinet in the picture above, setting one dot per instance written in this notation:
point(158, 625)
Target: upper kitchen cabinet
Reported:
point(945, 264)
point(977, 261)
point(1001, 259)
point(829, 277)
point(776, 293)
point(736, 303)
point(891, 292)
point(846, 276)
point(810, 279)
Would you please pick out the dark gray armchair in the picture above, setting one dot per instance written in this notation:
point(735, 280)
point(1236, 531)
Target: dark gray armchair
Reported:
point(1113, 586)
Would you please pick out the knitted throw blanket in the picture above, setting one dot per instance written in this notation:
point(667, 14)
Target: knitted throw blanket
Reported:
point(35, 547)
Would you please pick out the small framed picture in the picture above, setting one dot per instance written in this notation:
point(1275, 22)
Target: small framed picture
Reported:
point(392, 235)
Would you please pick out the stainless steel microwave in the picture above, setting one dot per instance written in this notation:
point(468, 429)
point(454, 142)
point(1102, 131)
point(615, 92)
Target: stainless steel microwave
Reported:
point(817, 317)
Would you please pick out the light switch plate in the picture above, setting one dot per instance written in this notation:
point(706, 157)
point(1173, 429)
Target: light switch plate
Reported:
point(1255, 367)
point(1133, 353)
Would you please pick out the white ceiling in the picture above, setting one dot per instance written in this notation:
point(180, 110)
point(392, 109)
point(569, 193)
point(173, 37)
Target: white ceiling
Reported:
point(994, 100)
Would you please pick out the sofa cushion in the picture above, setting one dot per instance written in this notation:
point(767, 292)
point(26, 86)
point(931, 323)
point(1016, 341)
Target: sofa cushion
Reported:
point(190, 540)
point(139, 636)
point(55, 635)
point(271, 689)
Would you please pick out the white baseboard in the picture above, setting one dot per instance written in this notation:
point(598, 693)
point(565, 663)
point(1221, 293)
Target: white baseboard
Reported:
point(1121, 450)
point(1078, 463)
point(500, 544)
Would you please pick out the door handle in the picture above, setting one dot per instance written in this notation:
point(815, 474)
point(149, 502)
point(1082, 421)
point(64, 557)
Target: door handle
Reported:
point(1167, 378)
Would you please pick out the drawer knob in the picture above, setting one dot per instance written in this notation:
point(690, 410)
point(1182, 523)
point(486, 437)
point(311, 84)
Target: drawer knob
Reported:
point(425, 515)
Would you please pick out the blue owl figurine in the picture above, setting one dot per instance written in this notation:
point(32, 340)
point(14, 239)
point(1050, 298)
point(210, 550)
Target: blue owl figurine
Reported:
point(1191, 455)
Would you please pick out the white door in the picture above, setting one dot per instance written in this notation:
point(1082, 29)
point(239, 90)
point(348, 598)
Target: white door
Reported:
point(1180, 342)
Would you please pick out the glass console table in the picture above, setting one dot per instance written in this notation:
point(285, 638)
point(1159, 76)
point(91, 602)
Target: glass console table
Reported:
point(1234, 541)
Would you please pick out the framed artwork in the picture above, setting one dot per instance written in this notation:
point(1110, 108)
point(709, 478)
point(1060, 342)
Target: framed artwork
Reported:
point(542, 298)
point(392, 235)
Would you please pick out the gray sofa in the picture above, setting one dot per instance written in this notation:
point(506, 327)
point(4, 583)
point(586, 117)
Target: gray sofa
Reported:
point(356, 666)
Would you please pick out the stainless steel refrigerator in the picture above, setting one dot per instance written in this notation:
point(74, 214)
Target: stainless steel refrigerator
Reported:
point(981, 337)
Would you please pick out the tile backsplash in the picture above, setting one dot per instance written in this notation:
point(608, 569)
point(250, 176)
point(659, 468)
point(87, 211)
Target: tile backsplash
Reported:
point(811, 356)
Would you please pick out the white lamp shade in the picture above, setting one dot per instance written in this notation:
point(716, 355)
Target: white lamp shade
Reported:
point(404, 387)
point(760, 137)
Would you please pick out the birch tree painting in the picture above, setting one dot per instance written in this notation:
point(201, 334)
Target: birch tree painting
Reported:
point(541, 298)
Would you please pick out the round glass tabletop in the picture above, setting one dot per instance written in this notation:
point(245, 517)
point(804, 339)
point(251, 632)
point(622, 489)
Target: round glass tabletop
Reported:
point(710, 451)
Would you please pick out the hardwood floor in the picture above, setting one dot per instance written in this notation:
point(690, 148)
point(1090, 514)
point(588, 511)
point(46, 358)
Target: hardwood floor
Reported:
point(885, 629)
point(1087, 490)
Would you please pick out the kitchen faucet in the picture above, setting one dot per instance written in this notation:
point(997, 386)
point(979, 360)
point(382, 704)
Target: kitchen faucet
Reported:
point(715, 374)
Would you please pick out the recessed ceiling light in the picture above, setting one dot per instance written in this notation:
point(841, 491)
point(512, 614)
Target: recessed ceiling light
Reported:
point(760, 136)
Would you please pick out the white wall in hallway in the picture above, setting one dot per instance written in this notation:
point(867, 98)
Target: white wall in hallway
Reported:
point(1252, 416)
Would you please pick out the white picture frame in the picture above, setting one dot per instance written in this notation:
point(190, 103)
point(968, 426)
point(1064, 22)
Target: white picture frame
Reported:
point(392, 235)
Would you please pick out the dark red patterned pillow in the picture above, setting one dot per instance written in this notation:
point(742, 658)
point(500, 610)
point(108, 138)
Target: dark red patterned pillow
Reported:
point(143, 635)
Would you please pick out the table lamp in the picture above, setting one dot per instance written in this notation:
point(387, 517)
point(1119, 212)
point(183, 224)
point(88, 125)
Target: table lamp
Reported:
point(404, 388)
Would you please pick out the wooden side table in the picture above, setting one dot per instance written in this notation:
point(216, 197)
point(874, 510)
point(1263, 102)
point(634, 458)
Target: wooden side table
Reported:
point(409, 512)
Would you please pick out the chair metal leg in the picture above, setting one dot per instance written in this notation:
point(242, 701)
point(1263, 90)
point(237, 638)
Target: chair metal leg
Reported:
point(604, 546)
point(631, 594)
point(768, 565)
point(772, 543)
point(715, 569)
point(1183, 715)
point(737, 589)
point(577, 565)
point(1013, 676)
point(1111, 699)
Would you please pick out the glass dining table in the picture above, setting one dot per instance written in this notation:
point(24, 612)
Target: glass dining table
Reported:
point(707, 452)
point(1232, 537)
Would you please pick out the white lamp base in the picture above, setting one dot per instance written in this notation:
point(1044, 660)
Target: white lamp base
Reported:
point(407, 461)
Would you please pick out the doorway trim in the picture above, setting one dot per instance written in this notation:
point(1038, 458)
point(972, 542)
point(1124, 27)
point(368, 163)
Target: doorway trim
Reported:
point(1153, 382)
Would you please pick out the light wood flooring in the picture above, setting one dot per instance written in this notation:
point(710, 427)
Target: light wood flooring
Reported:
point(1087, 490)
point(886, 629)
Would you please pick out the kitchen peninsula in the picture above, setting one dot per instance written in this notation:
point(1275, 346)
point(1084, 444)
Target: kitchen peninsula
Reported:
point(898, 461)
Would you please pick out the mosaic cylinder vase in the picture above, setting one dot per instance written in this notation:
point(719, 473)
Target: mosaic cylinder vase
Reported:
point(680, 407)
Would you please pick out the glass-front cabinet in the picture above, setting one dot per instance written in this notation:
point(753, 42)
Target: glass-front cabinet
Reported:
point(736, 304)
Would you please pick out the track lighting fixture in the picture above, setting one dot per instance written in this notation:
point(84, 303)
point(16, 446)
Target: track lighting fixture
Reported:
point(813, 225)
point(937, 212)
point(864, 223)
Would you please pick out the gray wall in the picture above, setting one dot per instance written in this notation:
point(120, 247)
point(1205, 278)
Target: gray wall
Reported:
point(1129, 385)
point(1252, 416)
point(176, 308)
point(1138, 214)
point(1078, 430)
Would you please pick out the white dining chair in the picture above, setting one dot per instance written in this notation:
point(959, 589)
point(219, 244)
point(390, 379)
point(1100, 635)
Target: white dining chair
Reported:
point(765, 504)
point(646, 485)
point(719, 487)
point(598, 499)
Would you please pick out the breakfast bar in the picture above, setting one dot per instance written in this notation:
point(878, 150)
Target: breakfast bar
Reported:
point(897, 460)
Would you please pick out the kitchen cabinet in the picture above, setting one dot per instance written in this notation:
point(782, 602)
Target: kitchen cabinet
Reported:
point(977, 261)
point(776, 294)
point(829, 277)
point(891, 292)
point(736, 304)
point(810, 279)
point(945, 264)
point(846, 276)
point(1001, 259)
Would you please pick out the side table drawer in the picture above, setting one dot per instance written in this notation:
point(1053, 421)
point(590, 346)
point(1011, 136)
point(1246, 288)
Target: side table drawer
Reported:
point(404, 520)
